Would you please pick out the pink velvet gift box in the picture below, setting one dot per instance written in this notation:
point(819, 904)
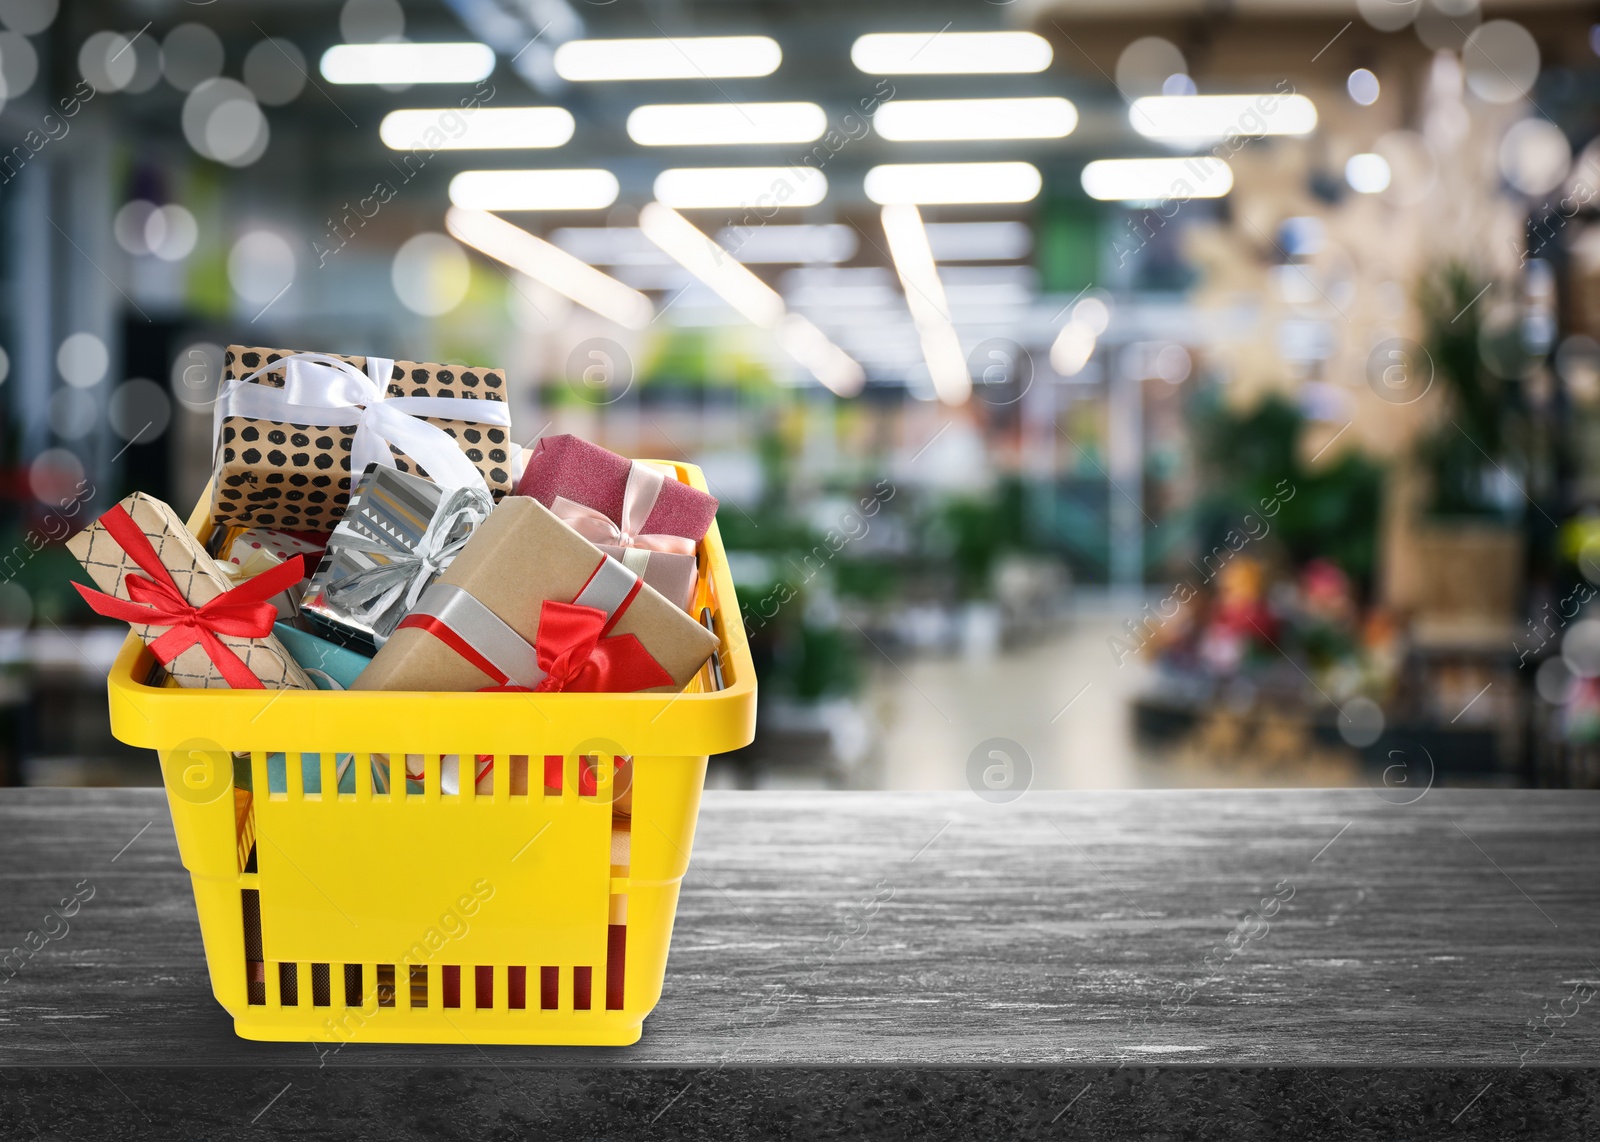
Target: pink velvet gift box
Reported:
point(584, 473)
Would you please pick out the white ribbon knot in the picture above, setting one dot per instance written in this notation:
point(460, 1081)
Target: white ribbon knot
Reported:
point(326, 392)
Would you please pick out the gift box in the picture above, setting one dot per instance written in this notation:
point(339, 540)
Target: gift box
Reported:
point(251, 543)
point(530, 604)
point(207, 631)
point(624, 505)
point(398, 533)
point(290, 429)
point(330, 666)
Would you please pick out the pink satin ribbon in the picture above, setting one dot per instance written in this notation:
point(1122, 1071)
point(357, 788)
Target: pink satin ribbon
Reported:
point(638, 501)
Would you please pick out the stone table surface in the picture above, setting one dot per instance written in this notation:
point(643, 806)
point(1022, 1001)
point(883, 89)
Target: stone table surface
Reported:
point(1242, 963)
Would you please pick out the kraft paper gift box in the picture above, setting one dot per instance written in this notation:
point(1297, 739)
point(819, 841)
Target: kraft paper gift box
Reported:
point(290, 428)
point(528, 595)
point(158, 578)
point(256, 550)
point(398, 533)
point(624, 504)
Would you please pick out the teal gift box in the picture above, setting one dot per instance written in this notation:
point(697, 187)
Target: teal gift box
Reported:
point(331, 667)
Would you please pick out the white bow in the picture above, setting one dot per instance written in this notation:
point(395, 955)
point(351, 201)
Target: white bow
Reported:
point(326, 392)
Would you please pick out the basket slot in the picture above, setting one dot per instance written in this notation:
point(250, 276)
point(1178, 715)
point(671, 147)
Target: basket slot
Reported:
point(419, 985)
point(452, 985)
point(483, 986)
point(254, 971)
point(616, 963)
point(517, 986)
point(517, 768)
point(327, 765)
point(288, 985)
point(352, 985)
point(321, 985)
point(552, 774)
point(385, 976)
point(549, 988)
point(582, 983)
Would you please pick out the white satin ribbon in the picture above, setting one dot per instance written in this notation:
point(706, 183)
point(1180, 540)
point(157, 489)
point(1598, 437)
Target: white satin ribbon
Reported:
point(326, 392)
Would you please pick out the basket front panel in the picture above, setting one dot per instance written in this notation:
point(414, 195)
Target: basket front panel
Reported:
point(434, 880)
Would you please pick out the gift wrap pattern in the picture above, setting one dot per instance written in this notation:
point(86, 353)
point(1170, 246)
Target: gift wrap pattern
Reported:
point(392, 511)
point(278, 474)
point(197, 577)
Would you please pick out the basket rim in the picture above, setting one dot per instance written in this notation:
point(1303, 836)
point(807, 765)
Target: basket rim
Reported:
point(690, 723)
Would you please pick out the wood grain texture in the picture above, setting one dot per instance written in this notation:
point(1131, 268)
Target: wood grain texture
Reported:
point(865, 947)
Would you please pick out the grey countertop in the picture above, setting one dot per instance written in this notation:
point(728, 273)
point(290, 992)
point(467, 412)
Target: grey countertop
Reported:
point(1326, 963)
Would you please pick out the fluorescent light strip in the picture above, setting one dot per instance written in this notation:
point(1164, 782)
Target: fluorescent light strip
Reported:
point(946, 183)
point(750, 296)
point(932, 120)
point(951, 53)
point(698, 188)
point(534, 190)
point(836, 369)
point(979, 241)
point(551, 265)
point(1195, 118)
point(1152, 180)
point(482, 129)
point(709, 262)
point(930, 311)
point(407, 63)
point(725, 124)
point(698, 57)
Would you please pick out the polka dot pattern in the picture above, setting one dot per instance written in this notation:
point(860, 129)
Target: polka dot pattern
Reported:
point(297, 476)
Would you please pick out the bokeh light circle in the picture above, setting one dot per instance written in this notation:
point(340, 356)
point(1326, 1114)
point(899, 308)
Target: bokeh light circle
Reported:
point(1145, 65)
point(139, 410)
point(235, 131)
point(5, 366)
point(1361, 722)
point(1501, 60)
point(202, 104)
point(130, 226)
point(1388, 15)
point(82, 359)
point(190, 55)
point(171, 233)
point(1535, 156)
point(260, 266)
point(28, 17)
point(16, 605)
point(1580, 648)
point(19, 64)
point(275, 70)
point(73, 413)
point(1363, 86)
point(431, 274)
point(107, 61)
point(55, 475)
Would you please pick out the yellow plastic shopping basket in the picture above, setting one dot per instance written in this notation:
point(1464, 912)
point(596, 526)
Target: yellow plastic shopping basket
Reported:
point(533, 906)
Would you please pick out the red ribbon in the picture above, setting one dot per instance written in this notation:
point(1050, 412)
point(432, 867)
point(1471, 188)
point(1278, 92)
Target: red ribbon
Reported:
point(574, 656)
point(570, 650)
point(241, 612)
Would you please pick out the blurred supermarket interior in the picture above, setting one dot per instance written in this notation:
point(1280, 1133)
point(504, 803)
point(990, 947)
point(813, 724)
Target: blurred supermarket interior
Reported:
point(1186, 393)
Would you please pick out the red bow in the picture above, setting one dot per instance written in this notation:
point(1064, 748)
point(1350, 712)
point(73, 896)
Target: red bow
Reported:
point(242, 612)
point(574, 656)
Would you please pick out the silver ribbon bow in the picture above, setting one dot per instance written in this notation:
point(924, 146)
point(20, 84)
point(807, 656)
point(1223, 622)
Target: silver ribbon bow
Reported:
point(369, 594)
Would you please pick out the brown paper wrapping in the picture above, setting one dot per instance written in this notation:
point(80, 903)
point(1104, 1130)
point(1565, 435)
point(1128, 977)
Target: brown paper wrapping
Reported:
point(295, 476)
point(198, 577)
point(519, 557)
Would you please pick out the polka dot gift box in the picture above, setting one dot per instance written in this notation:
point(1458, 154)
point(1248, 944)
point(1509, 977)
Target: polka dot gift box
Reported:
point(290, 427)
